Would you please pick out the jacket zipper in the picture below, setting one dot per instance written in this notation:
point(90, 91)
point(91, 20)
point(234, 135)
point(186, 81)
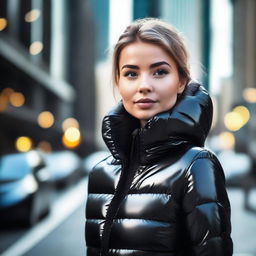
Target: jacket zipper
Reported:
point(123, 186)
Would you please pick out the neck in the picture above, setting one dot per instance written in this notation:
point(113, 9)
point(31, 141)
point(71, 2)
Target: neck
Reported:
point(142, 123)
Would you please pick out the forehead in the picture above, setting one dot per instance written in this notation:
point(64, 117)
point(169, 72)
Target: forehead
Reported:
point(139, 53)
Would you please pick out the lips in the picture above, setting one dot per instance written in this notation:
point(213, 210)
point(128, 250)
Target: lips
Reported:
point(145, 100)
point(145, 103)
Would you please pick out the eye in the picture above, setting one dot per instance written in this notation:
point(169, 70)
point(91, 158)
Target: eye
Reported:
point(160, 72)
point(130, 74)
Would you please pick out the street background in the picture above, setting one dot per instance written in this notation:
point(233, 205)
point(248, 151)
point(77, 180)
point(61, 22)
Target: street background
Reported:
point(55, 88)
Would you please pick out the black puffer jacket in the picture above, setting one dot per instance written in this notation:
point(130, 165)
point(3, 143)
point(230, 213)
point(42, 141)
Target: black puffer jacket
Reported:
point(160, 193)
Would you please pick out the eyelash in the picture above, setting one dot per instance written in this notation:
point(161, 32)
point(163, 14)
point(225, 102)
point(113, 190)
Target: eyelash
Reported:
point(161, 71)
point(133, 74)
point(128, 73)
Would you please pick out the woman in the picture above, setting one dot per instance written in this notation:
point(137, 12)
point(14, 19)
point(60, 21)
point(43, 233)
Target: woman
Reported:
point(160, 193)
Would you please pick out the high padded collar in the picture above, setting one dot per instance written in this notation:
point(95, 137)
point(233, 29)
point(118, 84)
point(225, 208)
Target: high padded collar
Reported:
point(187, 123)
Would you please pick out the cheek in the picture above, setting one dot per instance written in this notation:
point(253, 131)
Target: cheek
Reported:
point(169, 101)
point(125, 92)
point(168, 96)
point(169, 92)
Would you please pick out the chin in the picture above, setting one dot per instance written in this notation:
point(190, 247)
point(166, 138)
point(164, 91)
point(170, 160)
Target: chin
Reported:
point(145, 117)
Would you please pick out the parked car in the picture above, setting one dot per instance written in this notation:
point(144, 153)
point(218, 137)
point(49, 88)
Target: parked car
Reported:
point(25, 188)
point(64, 167)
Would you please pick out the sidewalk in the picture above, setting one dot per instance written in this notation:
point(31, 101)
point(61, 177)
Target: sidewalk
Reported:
point(243, 223)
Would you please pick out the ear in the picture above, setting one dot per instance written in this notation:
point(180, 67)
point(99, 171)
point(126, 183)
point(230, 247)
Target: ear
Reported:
point(182, 86)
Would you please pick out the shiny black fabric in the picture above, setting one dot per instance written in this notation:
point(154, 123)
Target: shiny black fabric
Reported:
point(160, 193)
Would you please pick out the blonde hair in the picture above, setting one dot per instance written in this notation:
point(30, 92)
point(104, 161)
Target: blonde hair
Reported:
point(154, 31)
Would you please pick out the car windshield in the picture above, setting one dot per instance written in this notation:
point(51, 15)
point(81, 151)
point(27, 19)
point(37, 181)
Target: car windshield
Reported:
point(14, 166)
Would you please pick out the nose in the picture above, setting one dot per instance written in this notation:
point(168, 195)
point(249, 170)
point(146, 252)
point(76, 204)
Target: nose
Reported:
point(145, 85)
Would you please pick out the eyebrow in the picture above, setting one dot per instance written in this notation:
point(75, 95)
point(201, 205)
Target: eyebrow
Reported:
point(159, 64)
point(130, 66)
point(151, 66)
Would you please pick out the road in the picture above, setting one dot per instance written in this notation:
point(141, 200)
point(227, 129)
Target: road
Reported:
point(61, 233)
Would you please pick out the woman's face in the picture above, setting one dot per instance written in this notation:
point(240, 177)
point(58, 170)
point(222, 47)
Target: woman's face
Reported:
point(149, 81)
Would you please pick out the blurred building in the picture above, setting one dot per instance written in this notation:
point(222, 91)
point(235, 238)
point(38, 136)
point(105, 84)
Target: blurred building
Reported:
point(47, 67)
point(243, 89)
point(244, 51)
point(236, 78)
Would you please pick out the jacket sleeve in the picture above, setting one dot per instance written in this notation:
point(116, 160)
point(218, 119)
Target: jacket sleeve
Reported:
point(207, 207)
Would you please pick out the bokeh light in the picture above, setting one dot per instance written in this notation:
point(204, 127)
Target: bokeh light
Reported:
point(233, 121)
point(32, 15)
point(44, 146)
point(236, 119)
point(71, 137)
point(72, 134)
point(23, 144)
point(3, 102)
point(36, 47)
point(45, 119)
point(243, 112)
point(3, 24)
point(17, 99)
point(70, 122)
point(249, 95)
point(70, 144)
point(7, 92)
point(227, 140)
